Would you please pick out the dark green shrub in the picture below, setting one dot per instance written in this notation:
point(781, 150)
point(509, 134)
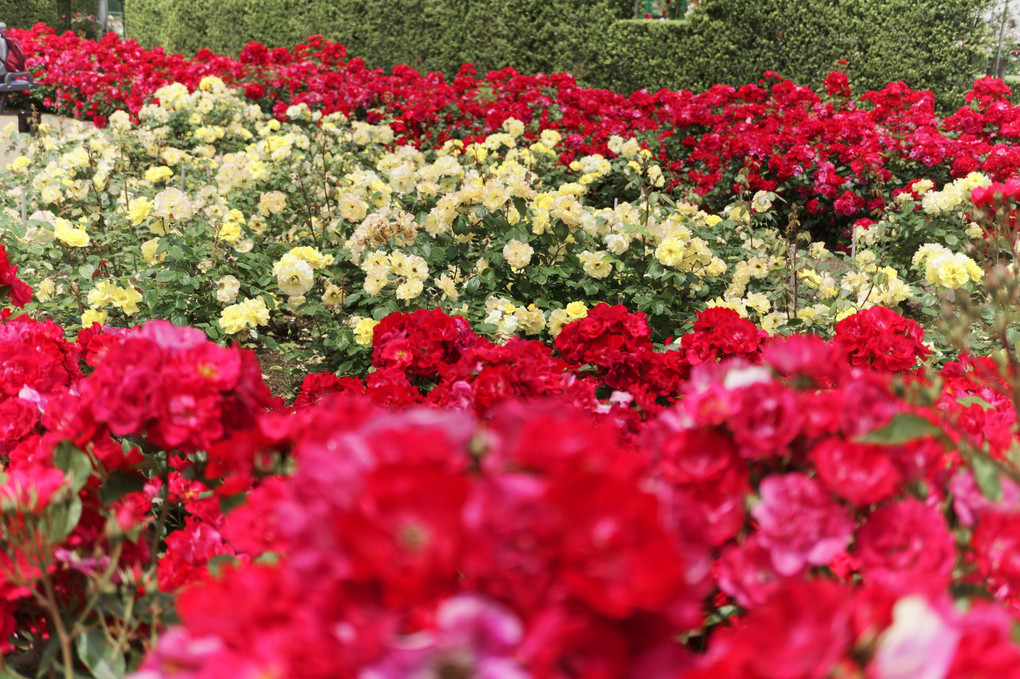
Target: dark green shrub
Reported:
point(25, 13)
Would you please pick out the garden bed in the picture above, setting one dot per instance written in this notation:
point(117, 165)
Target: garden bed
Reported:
point(572, 396)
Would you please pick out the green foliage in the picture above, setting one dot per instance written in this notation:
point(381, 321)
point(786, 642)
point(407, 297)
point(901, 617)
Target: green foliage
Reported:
point(25, 13)
point(938, 45)
point(641, 53)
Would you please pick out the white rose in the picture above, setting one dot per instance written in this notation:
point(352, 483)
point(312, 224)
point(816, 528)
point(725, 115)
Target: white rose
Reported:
point(296, 278)
point(226, 289)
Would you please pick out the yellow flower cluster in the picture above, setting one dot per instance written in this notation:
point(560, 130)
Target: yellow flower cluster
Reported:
point(952, 195)
point(511, 319)
point(247, 313)
point(407, 271)
point(106, 293)
point(295, 271)
point(945, 268)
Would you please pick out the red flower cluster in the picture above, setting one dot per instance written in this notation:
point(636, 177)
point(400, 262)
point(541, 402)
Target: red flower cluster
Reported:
point(474, 508)
point(881, 339)
point(180, 391)
point(421, 342)
point(572, 548)
point(12, 287)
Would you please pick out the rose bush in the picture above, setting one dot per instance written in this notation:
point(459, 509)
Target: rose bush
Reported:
point(299, 235)
point(557, 414)
point(839, 155)
point(448, 514)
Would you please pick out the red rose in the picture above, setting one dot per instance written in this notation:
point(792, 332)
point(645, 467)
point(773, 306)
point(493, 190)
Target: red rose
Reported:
point(255, 91)
point(906, 547)
point(858, 472)
point(766, 420)
point(996, 544)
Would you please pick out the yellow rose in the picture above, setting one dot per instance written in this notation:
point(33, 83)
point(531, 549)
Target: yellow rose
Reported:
point(160, 173)
point(227, 288)
point(127, 300)
point(272, 203)
point(670, 252)
point(236, 317)
point(91, 316)
point(576, 310)
point(550, 137)
point(313, 257)
point(517, 254)
point(409, 289)
point(446, 286)
point(375, 284)
point(232, 319)
point(19, 164)
point(296, 278)
point(51, 194)
point(557, 319)
point(44, 291)
point(333, 296)
point(172, 205)
point(256, 311)
point(101, 295)
point(69, 235)
point(595, 264)
point(230, 232)
point(139, 210)
point(363, 331)
point(211, 83)
point(352, 208)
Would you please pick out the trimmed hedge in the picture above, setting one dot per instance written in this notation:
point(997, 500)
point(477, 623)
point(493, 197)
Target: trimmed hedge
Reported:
point(26, 13)
point(429, 35)
point(935, 44)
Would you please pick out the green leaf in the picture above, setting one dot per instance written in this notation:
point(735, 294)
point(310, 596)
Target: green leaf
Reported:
point(974, 401)
point(17, 229)
point(227, 504)
point(904, 428)
point(49, 655)
point(217, 563)
point(63, 518)
point(74, 463)
point(102, 658)
point(118, 484)
point(986, 473)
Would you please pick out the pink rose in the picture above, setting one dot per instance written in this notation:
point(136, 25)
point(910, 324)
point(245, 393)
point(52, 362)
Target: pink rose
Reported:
point(800, 523)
